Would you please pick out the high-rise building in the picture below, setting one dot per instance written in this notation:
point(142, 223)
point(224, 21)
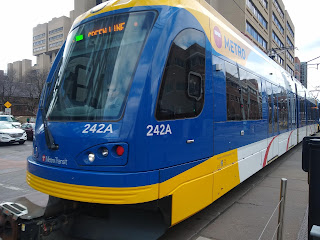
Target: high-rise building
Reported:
point(19, 69)
point(9, 67)
point(266, 23)
point(48, 38)
point(40, 43)
point(297, 66)
point(81, 6)
point(304, 74)
point(26, 66)
point(58, 29)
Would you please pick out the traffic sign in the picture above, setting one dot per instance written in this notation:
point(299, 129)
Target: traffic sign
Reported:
point(7, 111)
point(7, 105)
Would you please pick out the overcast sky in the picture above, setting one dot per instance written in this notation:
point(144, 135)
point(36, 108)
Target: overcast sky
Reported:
point(18, 18)
point(306, 18)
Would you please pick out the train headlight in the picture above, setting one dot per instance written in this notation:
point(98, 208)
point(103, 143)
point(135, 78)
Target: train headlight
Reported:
point(104, 152)
point(91, 157)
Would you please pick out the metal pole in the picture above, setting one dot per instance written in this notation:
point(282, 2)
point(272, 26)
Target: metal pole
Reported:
point(283, 192)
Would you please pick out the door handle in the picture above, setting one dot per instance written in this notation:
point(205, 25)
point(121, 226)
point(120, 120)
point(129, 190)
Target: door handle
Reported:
point(190, 141)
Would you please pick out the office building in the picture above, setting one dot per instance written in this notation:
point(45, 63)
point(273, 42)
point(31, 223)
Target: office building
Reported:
point(297, 67)
point(304, 74)
point(81, 6)
point(58, 29)
point(266, 23)
point(48, 38)
point(9, 67)
point(19, 69)
point(40, 39)
point(26, 66)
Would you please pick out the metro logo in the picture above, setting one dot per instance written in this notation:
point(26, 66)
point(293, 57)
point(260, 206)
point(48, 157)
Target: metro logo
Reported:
point(234, 48)
point(217, 36)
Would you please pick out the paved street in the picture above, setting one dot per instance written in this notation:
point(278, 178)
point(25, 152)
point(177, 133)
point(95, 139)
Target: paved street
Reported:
point(13, 170)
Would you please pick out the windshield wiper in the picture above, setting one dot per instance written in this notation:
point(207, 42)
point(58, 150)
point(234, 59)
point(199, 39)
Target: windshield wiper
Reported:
point(48, 136)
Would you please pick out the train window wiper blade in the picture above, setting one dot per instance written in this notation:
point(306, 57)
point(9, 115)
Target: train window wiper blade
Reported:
point(48, 136)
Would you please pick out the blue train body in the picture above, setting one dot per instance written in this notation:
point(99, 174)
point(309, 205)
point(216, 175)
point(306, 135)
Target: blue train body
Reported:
point(193, 159)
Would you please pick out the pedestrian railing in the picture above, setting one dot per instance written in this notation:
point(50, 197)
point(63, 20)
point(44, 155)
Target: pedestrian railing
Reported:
point(280, 206)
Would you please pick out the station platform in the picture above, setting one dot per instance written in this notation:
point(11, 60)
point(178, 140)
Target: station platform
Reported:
point(243, 213)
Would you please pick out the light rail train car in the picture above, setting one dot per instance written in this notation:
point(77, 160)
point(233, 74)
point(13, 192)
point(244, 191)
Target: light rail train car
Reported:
point(163, 104)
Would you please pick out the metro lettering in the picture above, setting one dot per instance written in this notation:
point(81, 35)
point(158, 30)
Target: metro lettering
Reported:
point(234, 48)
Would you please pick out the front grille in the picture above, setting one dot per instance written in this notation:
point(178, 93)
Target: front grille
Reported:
point(16, 135)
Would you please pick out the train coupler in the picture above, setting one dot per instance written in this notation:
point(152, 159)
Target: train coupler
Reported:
point(27, 221)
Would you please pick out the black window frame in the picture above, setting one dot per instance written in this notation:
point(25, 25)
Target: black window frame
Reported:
point(173, 115)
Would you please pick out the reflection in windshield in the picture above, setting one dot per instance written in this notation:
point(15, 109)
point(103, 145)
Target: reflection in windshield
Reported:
point(98, 64)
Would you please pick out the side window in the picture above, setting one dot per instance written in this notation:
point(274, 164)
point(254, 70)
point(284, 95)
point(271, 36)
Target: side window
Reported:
point(310, 114)
point(314, 113)
point(302, 112)
point(270, 106)
point(251, 95)
point(235, 111)
point(289, 99)
point(276, 93)
point(294, 110)
point(182, 88)
point(283, 110)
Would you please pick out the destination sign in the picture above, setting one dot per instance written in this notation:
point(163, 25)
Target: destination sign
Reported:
point(114, 28)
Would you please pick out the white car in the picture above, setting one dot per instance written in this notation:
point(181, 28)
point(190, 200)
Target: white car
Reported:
point(11, 134)
point(11, 119)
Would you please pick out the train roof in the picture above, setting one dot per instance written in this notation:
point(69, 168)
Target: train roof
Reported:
point(226, 40)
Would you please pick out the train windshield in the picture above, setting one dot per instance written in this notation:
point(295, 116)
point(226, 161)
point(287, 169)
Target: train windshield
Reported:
point(97, 67)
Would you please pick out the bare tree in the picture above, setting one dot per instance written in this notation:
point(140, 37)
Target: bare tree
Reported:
point(10, 86)
point(34, 80)
point(2, 92)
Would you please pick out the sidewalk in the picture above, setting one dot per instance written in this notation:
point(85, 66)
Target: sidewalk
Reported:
point(247, 217)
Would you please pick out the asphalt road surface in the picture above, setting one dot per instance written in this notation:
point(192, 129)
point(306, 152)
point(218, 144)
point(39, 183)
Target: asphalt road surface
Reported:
point(13, 162)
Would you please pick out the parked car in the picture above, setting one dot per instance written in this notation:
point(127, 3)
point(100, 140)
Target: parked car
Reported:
point(11, 134)
point(11, 119)
point(29, 128)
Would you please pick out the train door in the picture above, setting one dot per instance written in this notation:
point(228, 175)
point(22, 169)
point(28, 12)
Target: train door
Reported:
point(291, 120)
point(272, 149)
point(276, 91)
point(294, 122)
point(302, 116)
point(183, 132)
point(270, 109)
